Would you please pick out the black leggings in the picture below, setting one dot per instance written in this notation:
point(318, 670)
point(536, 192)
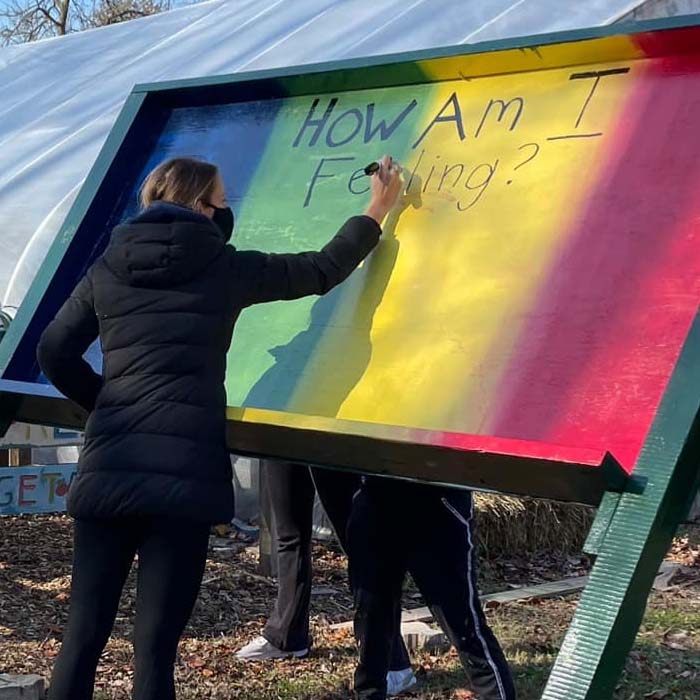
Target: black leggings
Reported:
point(290, 489)
point(386, 540)
point(172, 554)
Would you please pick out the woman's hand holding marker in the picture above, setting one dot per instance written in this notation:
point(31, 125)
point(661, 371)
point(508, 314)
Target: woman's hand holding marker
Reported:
point(386, 186)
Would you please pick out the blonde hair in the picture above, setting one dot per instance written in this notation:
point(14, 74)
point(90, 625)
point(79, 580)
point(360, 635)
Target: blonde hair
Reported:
point(183, 181)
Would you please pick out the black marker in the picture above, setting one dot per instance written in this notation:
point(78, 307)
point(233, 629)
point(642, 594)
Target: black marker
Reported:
point(372, 168)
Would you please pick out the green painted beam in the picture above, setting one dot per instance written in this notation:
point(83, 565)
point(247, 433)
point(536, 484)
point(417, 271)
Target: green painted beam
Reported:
point(636, 537)
point(601, 524)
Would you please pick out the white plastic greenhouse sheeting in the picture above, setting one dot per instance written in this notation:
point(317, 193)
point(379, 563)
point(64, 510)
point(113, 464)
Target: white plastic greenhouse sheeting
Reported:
point(60, 97)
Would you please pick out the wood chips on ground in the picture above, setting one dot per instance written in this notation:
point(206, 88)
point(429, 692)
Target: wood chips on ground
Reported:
point(235, 599)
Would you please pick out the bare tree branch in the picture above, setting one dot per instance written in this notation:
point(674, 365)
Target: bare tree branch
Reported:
point(48, 15)
point(113, 11)
point(28, 20)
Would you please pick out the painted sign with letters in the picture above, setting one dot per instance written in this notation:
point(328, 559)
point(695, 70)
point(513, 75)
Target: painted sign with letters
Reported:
point(35, 489)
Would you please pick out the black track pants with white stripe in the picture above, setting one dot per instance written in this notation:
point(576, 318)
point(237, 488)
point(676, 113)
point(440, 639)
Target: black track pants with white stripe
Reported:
point(428, 531)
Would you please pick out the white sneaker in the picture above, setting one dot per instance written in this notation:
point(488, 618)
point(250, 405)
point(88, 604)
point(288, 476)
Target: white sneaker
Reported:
point(398, 682)
point(260, 650)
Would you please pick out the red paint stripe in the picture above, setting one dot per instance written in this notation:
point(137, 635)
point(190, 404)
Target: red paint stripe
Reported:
point(670, 42)
point(484, 444)
point(597, 352)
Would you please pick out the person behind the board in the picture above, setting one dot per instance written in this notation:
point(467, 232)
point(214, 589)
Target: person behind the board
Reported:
point(289, 491)
point(385, 541)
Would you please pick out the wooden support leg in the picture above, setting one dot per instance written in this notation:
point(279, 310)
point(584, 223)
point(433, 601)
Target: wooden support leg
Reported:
point(633, 536)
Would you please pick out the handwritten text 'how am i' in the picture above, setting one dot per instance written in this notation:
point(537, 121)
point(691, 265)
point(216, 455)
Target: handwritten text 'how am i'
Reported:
point(334, 128)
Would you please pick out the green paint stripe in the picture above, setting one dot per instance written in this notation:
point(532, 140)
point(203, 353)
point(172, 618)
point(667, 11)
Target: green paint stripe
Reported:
point(286, 338)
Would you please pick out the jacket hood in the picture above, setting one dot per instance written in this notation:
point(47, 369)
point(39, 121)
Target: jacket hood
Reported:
point(162, 246)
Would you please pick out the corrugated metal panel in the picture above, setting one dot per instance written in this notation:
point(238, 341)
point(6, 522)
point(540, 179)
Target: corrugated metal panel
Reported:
point(657, 9)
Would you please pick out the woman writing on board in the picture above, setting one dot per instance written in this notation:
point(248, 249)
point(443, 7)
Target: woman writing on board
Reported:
point(154, 473)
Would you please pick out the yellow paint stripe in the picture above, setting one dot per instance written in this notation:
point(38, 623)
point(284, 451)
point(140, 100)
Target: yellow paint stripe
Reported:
point(533, 58)
point(445, 328)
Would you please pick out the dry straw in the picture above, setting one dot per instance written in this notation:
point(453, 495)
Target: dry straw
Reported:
point(508, 525)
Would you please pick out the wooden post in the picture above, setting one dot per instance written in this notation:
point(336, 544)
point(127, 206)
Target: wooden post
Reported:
point(636, 533)
point(694, 515)
point(267, 546)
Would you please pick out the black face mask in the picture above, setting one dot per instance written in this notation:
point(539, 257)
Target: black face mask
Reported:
point(224, 220)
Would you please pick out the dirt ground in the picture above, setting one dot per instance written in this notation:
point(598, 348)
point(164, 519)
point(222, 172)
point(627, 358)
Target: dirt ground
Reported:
point(34, 594)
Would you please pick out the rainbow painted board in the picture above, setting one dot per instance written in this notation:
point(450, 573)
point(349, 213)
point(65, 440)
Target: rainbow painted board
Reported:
point(529, 321)
point(518, 324)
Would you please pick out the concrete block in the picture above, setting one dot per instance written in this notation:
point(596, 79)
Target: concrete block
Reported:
point(16, 687)
point(419, 636)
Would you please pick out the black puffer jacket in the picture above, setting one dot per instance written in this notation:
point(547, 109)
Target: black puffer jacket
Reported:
point(163, 299)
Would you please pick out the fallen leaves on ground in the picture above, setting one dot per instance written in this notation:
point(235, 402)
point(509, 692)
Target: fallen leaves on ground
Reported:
point(34, 595)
